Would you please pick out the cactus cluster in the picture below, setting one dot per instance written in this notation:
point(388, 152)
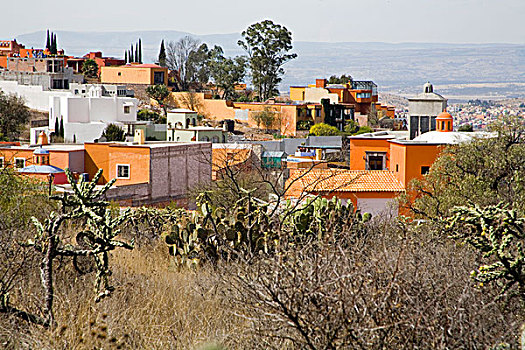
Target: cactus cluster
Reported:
point(214, 233)
point(247, 228)
point(319, 216)
point(499, 234)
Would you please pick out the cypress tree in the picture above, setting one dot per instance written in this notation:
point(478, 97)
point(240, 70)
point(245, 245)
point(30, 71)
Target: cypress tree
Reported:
point(62, 127)
point(126, 56)
point(48, 44)
point(136, 53)
point(140, 51)
point(57, 127)
point(162, 54)
point(55, 49)
point(132, 58)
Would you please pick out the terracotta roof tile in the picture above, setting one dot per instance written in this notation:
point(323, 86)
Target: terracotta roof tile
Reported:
point(339, 180)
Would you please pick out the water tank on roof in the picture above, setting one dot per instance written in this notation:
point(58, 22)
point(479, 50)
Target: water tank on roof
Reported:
point(228, 125)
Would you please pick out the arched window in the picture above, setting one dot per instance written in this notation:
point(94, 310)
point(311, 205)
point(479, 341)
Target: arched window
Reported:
point(215, 139)
point(187, 122)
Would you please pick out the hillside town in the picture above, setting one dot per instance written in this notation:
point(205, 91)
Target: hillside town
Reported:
point(84, 97)
point(210, 210)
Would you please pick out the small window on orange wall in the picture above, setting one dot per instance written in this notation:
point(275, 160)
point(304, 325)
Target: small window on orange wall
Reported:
point(122, 171)
point(425, 170)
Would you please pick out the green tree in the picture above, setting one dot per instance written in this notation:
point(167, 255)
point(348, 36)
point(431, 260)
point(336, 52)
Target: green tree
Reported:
point(90, 68)
point(363, 130)
point(14, 115)
point(343, 79)
point(197, 67)
point(323, 129)
point(267, 45)
point(466, 128)
point(162, 54)
point(159, 93)
point(226, 72)
point(146, 114)
point(267, 118)
point(114, 133)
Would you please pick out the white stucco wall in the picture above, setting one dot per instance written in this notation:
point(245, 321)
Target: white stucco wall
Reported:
point(317, 94)
point(35, 97)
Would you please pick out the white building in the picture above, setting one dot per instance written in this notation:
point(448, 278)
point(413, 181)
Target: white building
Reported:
point(85, 118)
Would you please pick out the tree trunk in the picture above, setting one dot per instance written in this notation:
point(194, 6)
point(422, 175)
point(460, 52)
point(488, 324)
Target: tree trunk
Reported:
point(46, 275)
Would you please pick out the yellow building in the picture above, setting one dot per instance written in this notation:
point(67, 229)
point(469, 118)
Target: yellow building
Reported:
point(148, 74)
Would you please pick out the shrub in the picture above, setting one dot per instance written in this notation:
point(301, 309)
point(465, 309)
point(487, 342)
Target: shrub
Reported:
point(323, 129)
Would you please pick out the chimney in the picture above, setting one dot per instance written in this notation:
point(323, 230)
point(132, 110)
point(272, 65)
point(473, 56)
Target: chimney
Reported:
point(139, 138)
point(320, 83)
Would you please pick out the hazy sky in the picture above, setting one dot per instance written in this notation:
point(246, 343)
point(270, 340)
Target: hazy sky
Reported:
point(455, 21)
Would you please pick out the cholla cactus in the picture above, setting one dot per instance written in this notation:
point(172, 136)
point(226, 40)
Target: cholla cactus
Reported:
point(96, 240)
point(499, 234)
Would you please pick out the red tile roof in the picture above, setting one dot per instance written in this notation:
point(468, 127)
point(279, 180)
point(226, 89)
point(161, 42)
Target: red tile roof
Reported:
point(142, 65)
point(339, 180)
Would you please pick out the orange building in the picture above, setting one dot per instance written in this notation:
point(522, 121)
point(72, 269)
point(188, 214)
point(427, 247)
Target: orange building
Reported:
point(381, 167)
point(369, 191)
point(134, 73)
point(77, 62)
point(407, 159)
point(146, 173)
point(361, 95)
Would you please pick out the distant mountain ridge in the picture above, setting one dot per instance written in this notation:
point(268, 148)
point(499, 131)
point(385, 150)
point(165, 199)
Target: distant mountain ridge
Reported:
point(395, 67)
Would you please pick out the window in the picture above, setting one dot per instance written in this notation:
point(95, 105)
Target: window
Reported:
point(397, 168)
point(375, 160)
point(2, 162)
point(119, 74)
point(122, 171)
point(425, 170)
point(126, 109)
point(158, 77)
point(20, 163)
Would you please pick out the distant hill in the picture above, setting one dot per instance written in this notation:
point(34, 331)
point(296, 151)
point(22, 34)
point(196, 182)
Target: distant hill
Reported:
point(399, 68)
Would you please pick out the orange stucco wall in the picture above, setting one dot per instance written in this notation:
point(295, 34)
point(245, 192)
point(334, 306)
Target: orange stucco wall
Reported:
point(297, 93)
point(9, 156)
point(410, 159)
point(106, 156)
point(97, 157)
point(130, 75)
point(359, 147)
point(138, 158)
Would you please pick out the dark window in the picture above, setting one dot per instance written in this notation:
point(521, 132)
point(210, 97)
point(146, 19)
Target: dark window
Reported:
point(1, 162)
point(375, 163)
point(122, 171)
point(20, 163)
point(397, 168)
point(425, 170)
point(375, 160)
point(158, 77)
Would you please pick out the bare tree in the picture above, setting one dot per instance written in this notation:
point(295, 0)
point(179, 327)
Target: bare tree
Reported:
point(177, 56)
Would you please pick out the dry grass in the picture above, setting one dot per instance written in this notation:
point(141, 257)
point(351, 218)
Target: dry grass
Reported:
point(154, 306)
